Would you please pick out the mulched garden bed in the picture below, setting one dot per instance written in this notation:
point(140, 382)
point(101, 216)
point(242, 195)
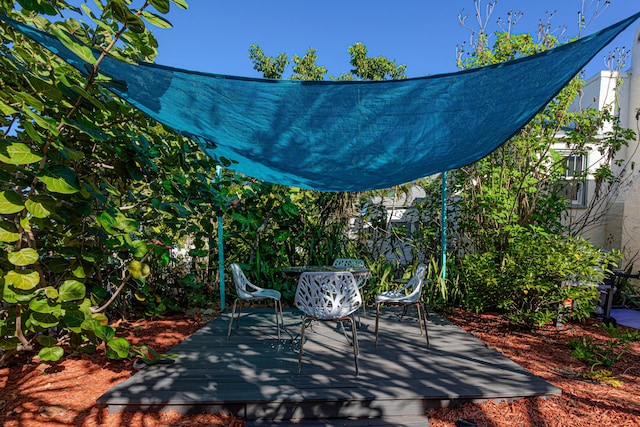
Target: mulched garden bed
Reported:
point(64, 394)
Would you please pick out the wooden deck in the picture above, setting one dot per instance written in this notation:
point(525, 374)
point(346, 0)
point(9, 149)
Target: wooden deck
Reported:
point(253, 374)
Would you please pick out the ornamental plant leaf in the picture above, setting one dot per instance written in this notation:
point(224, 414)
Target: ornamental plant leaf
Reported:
point(8, 232)
point(41, 305)
point(78, 271)
point(156, 20)
point(181, 4)
point(72, 154)
point(44, 320)
point(10, 202)
point(161, 6)
point(134, 23)
point(100, 318)
point(26, 256)
point(17, 153)
point(7, 294)
point(43, 122)
point(46, 340)
point(51, 354)
point(60, 179)
point(71, 290)
point(9, 343)
point(105, 332)
point(139, 248)
point(51, 292)
point(90, 129)
point(41, 206)
point(125, 224)
point(87, 96)
point(29, 100)
point(12, 295)
point(118, 348)
point(7, 110)
point(90, 324)
point(119, 10)
point(82, 51)
point(73, 319)
point(25, 223)
point(107, 222)
point(22, 279)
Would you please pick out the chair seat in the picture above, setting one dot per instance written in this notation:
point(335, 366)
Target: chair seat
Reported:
point(397, 296)
point(262, 294)
point(247, 291)
point(407, 295)
point(329, 313)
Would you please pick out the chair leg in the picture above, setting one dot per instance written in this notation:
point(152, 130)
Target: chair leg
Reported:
point(355, 343)
point(275, 307)
point(344, 331)
point(238, 314)
point(418, 305)
point(377, 320)
point(304, 326)
point(233, 311)
point(424, 319)
point(281, 316)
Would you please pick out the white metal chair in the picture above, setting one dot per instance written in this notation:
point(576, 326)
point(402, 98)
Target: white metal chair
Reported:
point(361, 279)
point(328, 296)
point(247, 291)
point(406, 296)
point(348, 263)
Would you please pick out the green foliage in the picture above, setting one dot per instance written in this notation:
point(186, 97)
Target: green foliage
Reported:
point(513, 250)
point(271, 68)
point(533, 275)
point(87, 182)
point(376, 68)
point(598, 353)
point(305, 67)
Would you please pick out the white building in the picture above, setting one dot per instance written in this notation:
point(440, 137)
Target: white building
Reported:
point(618, 226)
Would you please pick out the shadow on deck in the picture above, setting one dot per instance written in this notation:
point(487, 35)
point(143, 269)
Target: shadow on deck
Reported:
point(253, 374)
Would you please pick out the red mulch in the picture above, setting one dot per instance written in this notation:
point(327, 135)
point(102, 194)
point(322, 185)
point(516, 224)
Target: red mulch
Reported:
point(65, 393)
point(546, 354)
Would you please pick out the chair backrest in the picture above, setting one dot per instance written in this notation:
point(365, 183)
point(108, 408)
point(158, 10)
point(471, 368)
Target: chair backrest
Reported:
point(415, 283)
point(327, 295)
point(348, 263)
point(241, 282)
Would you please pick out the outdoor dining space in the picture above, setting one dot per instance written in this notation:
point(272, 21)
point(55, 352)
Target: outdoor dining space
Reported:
point(257, 370)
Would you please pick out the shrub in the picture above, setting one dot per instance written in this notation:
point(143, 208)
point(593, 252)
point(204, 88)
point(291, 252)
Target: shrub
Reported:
point(536, 276)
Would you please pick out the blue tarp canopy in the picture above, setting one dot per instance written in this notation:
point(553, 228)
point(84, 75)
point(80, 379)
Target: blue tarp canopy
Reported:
point(346, 136)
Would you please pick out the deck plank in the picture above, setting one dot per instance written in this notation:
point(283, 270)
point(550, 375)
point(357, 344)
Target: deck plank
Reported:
point(253, 374)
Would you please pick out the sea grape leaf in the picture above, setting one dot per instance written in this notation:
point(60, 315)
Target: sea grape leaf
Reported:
point(71, 290)
point(51, 354)
point(23, 257)
point(10, 202)
point(17, 153)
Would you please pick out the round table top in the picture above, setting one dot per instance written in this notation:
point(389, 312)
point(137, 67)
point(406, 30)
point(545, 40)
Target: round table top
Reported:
point(298, 270)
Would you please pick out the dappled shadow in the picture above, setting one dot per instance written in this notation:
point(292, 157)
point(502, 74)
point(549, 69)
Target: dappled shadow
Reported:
point(253, 375)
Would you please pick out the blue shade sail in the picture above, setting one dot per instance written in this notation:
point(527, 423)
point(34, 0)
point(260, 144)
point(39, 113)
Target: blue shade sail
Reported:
point(347, 136)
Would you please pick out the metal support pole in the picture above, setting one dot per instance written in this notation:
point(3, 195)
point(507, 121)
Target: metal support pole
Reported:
point(220, 244)
point(443, 227)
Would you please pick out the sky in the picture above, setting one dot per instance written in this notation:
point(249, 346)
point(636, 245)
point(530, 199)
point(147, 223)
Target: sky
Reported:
point(214, 37)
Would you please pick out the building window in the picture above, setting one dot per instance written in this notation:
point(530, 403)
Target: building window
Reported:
point(575, 186)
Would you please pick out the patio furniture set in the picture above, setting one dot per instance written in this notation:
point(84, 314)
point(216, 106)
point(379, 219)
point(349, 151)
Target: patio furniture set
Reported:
point(331, 293)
